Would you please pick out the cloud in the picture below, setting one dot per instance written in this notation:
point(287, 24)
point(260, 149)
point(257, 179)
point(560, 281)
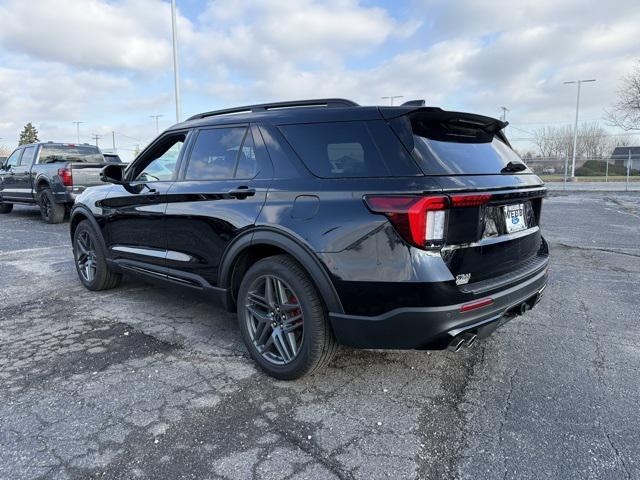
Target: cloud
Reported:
point(130, 34)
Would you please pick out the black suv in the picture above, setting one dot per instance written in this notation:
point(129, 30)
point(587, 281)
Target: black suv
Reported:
point(325, 222)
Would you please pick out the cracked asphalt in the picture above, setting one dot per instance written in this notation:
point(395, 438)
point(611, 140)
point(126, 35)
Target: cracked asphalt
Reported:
point(148, 382)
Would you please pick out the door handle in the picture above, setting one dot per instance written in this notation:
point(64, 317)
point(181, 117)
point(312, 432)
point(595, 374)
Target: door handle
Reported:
point(242, 192)
point(153, 194)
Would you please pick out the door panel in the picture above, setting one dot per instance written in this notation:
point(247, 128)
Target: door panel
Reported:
point(133, 214)
point(10, 185)
point(133, 221)
point(202, 217)
point(23, 179)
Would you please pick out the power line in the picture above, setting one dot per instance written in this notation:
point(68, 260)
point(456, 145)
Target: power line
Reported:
point(96, 137)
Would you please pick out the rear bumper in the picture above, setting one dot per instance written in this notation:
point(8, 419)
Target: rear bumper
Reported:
point(434, 327)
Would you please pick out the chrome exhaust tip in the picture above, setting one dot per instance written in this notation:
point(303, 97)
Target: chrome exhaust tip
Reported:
point(469, 338)
point(456, 344)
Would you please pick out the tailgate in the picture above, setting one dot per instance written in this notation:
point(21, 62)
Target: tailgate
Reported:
point(86, 174)
point(496, 241)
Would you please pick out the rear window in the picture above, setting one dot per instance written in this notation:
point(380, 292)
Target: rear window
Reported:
point(442, 148)
point(70, 153)
point(349, 149)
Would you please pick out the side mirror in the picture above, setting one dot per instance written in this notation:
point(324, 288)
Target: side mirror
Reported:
point(113, 173)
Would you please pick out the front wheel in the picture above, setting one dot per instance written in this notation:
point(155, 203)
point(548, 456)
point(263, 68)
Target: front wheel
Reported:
point(283, 320)
point(50, 211)
point(6, 207)
point(91, 264)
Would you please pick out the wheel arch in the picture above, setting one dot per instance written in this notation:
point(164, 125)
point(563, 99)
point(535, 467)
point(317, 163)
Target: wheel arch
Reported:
point(265, 242)
point(79, 214)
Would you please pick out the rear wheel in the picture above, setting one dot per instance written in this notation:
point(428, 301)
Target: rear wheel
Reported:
point(50, 211)
point(91, 264)
point(6, 207)
point(283, 320)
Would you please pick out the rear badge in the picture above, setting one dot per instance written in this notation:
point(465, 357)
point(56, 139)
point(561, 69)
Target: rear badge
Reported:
point(463, 278)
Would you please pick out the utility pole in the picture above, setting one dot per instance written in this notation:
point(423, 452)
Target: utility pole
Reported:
point(176, 72)
point(156, 117)
point(113, 140)
point(391, 97)
point(96, 137)
point(78, 129)
point(575, 126)
point(504, 113)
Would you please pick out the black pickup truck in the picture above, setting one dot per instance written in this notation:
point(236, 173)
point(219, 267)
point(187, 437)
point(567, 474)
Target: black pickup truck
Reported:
point(50, 175)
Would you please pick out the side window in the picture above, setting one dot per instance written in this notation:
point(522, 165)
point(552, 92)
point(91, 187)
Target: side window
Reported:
point(337, 150)
point(215, 154)
point(247, 162)
point(14, 159)
point(27, 156)
point(160, 163)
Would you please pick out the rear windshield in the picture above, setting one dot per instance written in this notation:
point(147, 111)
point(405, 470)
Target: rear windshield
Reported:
point(449, 149)
point(350, 149)
point(70, 153)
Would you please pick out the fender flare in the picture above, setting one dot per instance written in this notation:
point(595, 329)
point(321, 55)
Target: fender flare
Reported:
point(82, 211)
point(294, 247)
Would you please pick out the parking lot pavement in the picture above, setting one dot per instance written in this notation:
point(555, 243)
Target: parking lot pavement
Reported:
point(148, 382)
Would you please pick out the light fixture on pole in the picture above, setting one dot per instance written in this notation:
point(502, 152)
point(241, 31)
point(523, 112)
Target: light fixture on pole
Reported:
point(391, 97)
point(156, 117)
point(575, 126)
point(78, 129)
point(176, 72)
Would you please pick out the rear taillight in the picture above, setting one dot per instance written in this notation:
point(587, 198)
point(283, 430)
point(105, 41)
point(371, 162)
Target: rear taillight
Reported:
point(421, 220)
point(66, 177)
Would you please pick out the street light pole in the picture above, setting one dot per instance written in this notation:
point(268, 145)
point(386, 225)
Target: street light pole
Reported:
point(156, 117)
point(78, 129)
point(176, 72)
point(391, 97)
point(575, 126)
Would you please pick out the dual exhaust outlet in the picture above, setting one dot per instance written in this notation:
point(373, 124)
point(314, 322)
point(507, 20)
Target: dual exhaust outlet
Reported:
point(465, 339)
point(468, 338)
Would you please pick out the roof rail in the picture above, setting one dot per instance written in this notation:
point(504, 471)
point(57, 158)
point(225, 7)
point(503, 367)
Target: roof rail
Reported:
point(320, 102)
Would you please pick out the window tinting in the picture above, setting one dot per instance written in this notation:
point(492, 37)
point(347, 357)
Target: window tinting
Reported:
point(215, 154)
point(348, 149)
point(27, 156)
point(52, 153)
point(439, 157)
point(454, 148)
point(247, 161)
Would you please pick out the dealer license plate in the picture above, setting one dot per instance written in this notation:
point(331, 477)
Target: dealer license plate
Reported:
point(514, 217)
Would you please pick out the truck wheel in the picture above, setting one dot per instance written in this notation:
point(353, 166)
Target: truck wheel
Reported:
point(50, 211)
point(283, 320)
point(6, 207)
point(90, 260)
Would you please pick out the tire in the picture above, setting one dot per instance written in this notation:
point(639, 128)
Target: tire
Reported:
point(6, 207)
point(50, 211)
point(314, 345)
point(90, 260)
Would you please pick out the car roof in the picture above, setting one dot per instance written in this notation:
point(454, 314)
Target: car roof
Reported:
point(301, 111)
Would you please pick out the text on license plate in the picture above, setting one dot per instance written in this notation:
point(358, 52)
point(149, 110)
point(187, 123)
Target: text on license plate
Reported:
point(514, 217)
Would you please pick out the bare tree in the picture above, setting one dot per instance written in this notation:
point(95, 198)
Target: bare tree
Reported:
point(4, 151)
point(625, 112)
point(557, 142)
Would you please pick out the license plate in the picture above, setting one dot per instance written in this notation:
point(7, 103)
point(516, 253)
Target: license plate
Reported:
point(514, 217)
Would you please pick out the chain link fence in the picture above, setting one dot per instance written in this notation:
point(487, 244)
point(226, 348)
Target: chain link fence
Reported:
point(587, 169)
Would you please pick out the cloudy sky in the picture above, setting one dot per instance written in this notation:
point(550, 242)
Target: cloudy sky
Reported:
point(108, 63)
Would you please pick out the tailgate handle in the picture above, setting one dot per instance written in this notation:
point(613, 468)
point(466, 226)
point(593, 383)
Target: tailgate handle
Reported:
point(242, 192)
